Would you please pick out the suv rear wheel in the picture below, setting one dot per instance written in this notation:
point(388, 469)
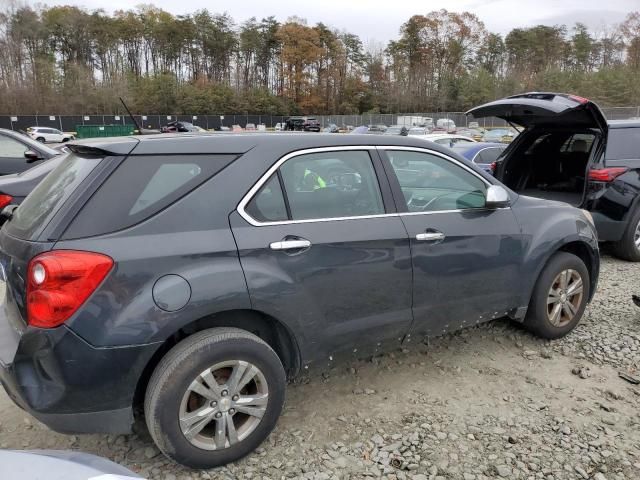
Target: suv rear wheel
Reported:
point(559, 297)
point(214, 397)
point(628, 248)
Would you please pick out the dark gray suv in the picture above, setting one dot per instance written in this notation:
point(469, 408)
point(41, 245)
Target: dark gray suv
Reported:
point(193, 274)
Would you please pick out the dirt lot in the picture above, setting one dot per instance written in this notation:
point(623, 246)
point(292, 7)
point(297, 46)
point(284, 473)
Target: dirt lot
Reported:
point(488, 402)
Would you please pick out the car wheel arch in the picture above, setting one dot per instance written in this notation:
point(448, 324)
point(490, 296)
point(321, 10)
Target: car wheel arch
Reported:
point(274, 332)
point(577, 247)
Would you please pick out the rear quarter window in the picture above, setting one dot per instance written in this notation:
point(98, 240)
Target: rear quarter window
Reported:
point(623, 144)
point(141, 187)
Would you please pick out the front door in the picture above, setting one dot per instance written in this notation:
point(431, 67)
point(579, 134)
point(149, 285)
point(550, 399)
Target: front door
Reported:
point(466, 258)
point(324, 251)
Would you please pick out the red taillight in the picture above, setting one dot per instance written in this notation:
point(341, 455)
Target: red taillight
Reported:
point(493, 167)
point(606, 174)
point(58, 282)
point(5, 200)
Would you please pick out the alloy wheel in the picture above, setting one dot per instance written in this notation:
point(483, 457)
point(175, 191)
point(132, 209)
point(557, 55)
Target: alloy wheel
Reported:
point(223, 405)
point(636, 236)
point(564, 298)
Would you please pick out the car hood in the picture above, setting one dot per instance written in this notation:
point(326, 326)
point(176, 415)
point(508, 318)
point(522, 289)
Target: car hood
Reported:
point(538, 108)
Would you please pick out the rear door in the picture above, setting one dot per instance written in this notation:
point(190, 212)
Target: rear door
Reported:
point(322, 247)
point(466, 258)
point(538, 108)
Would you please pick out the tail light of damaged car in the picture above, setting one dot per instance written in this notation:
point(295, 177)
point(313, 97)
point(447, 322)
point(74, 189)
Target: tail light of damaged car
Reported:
point(170, 273)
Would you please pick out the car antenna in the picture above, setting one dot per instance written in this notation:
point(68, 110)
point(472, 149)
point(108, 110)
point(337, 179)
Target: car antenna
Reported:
point(135, 122)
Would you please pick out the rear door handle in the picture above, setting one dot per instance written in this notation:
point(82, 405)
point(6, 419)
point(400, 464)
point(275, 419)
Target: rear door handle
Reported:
point(290, 244)
point(430, 236)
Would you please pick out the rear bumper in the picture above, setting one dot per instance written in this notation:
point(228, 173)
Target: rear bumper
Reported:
point(609, 230)
point(71, 386)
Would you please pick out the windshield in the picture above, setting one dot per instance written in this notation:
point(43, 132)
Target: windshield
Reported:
point(37, 210)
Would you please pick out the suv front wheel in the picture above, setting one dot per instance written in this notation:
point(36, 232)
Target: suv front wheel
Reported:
point(214, 397)
point(628, 248)
point(559, 297)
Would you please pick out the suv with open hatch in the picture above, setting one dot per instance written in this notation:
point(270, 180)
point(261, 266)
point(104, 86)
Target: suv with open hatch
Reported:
point(192, 274)
point(568, 151)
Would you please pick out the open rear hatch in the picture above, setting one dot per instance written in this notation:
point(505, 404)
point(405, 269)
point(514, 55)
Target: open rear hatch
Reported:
point(537, 108)
point(561, 140)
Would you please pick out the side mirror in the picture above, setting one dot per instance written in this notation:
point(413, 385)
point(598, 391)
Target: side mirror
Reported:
point(32, 156)
point(497, 197)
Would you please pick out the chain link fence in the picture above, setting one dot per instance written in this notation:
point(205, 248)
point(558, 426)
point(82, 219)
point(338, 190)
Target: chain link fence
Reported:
point(68, 123)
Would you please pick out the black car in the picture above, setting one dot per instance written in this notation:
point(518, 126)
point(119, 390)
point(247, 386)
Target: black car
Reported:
point(569, 152)
point(18, 152)
point(179, 126)
point(306, 124)
point(192, 274)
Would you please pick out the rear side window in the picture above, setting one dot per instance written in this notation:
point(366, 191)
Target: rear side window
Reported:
point(268, 205)
point(488, 155)
point(140, 187)
point(45, 200)
point(623, 144)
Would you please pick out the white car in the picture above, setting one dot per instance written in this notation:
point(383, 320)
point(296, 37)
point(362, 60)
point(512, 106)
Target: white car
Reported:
point(46, 134)
point(446, 139)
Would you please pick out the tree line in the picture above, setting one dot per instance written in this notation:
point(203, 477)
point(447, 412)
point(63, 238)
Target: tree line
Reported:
point(67, 60)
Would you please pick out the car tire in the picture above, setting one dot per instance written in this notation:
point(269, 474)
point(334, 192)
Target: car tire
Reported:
point(170, 400)
point(556, 305)
point(41, 140)
point(628, 248)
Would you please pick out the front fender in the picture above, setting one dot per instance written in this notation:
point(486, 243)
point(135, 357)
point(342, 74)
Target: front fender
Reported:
point(549, 227)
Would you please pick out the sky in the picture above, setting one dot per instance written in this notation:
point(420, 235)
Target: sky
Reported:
point(377, 21)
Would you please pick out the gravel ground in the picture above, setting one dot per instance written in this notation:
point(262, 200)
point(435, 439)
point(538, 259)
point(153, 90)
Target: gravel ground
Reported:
point(487, 402)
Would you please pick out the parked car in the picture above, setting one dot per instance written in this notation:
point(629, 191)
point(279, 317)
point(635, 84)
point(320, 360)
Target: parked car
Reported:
point(299, 247)
point(331, 128)
point(483, 154)
point(261, 127)
point(58, 464)
point(250, 127)
point(378, 128)
point(48, 135)
point(397, 130)
point(279, 126)
point(237, 129)
point(418, 131)
point(569, 152)
point(504, 135)
point(307, 124)
point(19, 152)
point(446, 124)
point(447, 139)
point(179, 126)
point(475, 133)
point(15, 187)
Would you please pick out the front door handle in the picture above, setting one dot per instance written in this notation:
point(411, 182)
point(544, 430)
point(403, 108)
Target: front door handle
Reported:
point(290, 244)
point(430, 236)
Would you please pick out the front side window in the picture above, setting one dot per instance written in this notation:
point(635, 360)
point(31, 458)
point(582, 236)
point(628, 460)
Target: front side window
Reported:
point(430, 183)
point(319, 186)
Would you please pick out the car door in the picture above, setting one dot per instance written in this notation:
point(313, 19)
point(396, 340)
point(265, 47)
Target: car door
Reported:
point(466, 258)
point(12, 159)
point(323, 249)
point(55, 135)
